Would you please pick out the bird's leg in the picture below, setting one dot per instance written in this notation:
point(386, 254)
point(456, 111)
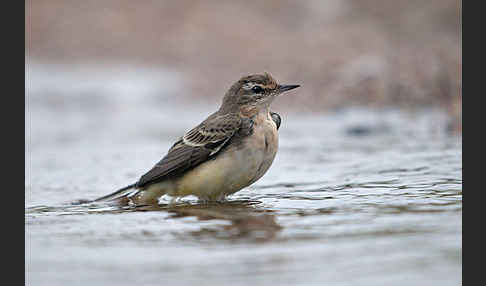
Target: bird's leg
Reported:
point(173, 201)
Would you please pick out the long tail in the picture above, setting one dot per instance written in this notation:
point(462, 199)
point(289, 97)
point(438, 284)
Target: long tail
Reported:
point(123, 192)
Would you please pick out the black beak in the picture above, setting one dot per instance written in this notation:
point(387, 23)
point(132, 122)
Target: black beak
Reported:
point(283, 88)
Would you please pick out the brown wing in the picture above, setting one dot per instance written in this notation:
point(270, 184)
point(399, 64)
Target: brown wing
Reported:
point(197, 146)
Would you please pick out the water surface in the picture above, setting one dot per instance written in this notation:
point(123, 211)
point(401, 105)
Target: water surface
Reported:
point(354, 197)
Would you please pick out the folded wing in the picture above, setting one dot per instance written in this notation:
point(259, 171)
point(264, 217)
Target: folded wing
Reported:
point(196, 146)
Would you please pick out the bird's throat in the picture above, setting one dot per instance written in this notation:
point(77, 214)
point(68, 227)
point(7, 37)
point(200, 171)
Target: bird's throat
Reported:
point(251, 111)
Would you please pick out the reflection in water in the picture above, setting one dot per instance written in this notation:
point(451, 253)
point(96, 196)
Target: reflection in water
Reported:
point(245, 220)
point(354, 207)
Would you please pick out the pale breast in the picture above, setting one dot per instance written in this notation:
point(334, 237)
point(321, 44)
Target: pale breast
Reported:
point(236, 167)
point(270, 146)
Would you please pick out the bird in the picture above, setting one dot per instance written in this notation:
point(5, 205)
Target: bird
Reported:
point(228, 151)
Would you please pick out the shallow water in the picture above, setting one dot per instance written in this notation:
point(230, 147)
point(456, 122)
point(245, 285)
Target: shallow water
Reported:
point(354, 197)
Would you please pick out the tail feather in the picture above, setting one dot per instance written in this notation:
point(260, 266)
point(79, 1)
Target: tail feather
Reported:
point(121, 193)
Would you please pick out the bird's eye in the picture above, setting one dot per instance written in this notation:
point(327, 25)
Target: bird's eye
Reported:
point(257, 89)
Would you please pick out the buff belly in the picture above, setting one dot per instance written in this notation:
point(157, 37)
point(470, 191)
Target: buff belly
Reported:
point(235, 168)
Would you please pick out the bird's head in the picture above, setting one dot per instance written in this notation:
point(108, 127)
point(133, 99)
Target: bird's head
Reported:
point(253, 92)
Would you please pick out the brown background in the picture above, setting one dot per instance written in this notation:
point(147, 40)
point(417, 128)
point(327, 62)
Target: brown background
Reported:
point(367, 52)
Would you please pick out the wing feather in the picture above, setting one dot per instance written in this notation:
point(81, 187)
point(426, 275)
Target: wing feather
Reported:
point(196, 146)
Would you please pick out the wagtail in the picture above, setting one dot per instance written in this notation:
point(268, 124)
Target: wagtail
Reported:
point(225, 153)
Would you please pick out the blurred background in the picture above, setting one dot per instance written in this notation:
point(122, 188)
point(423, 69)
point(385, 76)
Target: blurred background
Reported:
point(402, 53)
point(366, 188)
